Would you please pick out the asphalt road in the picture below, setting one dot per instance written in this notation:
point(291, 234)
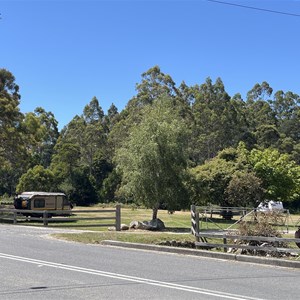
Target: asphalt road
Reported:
point(34, 266)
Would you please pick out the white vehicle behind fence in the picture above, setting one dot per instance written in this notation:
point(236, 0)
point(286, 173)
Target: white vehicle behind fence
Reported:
point(269, 206)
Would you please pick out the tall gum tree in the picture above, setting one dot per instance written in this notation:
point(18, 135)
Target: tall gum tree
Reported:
point(154, 84)
point(42, 133)
point(216, 120)
point(12, 148)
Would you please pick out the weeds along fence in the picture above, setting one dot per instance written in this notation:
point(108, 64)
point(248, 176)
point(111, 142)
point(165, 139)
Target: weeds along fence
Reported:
point(110, 217)
point(229, 238)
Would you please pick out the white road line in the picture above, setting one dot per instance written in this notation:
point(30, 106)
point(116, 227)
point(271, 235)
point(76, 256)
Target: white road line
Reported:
point(128, 278)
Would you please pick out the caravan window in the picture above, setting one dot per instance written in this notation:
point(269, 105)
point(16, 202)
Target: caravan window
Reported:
point(39, 203)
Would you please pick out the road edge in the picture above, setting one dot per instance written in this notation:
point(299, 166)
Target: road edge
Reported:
point(205, 253)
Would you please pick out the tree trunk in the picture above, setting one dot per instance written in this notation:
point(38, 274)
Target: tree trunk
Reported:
point(154, 213)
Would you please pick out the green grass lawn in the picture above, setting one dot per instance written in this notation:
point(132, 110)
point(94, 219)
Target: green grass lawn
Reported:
point(143, 237)
point(178, 226)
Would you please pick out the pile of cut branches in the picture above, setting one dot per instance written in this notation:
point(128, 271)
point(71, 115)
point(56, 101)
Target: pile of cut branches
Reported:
point(262, 225)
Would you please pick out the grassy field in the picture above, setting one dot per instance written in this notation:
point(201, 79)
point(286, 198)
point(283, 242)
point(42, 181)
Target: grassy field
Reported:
point(178, 228)
point(143, 237)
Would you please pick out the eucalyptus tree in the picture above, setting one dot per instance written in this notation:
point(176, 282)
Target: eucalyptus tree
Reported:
point(286, 107)
point(41, 131)
point(13, 156)
point(154, 85)
point(87, 133)
point(216, 120)
point(267, 136)
point(111, 118)
point(79, 153)
point(259, 110)
point(93, 112)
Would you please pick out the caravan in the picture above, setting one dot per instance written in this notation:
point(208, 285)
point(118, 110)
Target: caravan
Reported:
point(41, 201)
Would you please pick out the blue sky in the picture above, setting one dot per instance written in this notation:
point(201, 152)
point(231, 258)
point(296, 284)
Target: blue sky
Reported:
point(63, 53)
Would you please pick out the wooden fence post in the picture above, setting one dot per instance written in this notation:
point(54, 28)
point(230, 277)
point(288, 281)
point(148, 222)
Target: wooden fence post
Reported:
point(225, 243)
point(45, 218)
point(15, 217)
point(118, 217)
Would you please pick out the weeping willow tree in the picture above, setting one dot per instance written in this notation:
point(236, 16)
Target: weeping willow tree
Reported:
point(153, 160)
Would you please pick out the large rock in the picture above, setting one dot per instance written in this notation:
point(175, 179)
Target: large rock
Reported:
point(138, 225)
point(155, 224)
point(124, 227)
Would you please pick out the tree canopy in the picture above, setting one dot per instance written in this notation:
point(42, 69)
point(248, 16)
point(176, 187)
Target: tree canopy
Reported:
point(171, 146)
point(153, 159)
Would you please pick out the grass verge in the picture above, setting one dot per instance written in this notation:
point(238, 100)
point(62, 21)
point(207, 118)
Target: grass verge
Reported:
point(142, 237)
